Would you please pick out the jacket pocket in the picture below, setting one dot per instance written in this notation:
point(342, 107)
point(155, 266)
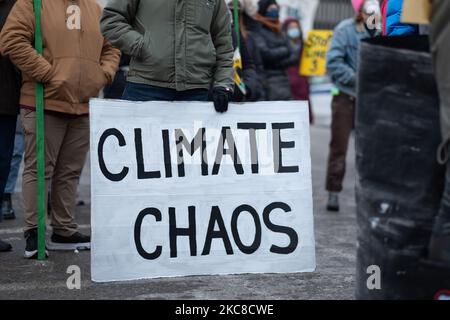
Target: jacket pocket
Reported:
point(204, 13)
point(75, 81)
point(65, 81)
point(146, 53)
point(93, 79)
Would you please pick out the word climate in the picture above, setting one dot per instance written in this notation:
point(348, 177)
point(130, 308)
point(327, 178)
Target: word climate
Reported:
point(175, 146)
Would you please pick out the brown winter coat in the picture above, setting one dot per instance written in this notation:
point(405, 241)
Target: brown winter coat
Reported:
point(77, 61)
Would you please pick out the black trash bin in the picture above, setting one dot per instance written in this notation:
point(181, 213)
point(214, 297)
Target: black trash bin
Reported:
point(400, 183)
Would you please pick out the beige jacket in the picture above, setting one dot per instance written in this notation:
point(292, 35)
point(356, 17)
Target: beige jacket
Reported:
point(77, 61)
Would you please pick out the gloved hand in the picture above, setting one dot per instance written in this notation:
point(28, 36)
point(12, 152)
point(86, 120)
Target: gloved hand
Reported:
point(221, 97)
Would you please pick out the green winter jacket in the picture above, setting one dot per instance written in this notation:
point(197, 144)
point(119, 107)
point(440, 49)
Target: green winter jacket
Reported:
point(177, 44)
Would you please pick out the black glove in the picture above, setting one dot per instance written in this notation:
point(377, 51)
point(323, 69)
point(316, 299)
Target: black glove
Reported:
point(221, 97)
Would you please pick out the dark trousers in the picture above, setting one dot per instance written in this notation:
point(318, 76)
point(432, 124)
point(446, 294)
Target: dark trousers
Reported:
point(143, 92)
point(7, 135)
point(342, 124)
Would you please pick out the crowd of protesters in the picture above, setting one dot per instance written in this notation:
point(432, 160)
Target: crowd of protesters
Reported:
point(232, 51)
point(199, 50)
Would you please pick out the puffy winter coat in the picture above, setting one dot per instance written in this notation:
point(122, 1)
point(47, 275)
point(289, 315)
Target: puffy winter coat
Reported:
point(277, 55)
point(394, 26)
point(253, 51)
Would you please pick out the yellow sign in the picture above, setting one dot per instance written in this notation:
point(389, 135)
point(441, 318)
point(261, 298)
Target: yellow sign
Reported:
point(313, 60)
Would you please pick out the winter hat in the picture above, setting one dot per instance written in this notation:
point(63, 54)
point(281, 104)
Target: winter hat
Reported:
point(357, 5)
point(264, 4)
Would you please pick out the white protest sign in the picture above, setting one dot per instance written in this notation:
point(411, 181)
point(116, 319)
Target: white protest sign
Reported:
point(179, 189)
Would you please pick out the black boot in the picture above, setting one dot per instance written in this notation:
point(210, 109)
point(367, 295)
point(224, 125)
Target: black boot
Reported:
point(7, 208)
point(4, 246)
point(333, 202)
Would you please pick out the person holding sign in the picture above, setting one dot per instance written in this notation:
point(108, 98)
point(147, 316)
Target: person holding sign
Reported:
point(342, 61)
point(177, 48)
point(76, 63)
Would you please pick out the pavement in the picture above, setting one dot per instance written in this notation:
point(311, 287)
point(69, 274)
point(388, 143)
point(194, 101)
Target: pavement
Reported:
point(335, 235)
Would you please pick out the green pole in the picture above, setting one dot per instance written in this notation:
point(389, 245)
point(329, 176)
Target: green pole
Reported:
point(236, 23)
point(41, 192)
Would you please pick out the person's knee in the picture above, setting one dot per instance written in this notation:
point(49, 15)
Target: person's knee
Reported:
point(68, 173)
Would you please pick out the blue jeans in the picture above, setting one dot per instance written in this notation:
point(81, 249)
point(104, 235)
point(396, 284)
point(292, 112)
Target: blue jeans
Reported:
point(7, 131)
point(143, 92)
point(16, 159)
